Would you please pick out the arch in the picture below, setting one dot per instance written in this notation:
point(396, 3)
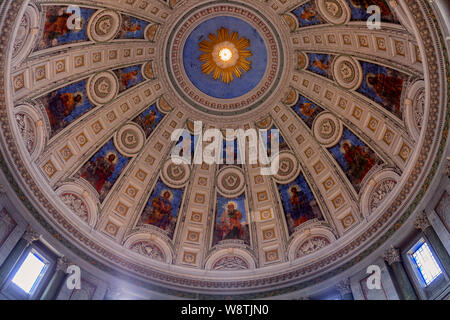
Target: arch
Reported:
point(315, 231)
point(80, 201)
point(239, 256)
point(152, 241)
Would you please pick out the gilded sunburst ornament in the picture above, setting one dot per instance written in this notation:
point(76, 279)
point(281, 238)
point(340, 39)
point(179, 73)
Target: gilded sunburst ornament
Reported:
point(225, 55)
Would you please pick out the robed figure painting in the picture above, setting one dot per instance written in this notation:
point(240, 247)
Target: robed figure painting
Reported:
point(384, 86)
point(103, 169)
point(355, 158)
point(231, 221)
point(65, 105)
point(162, 208)
point(298, 202)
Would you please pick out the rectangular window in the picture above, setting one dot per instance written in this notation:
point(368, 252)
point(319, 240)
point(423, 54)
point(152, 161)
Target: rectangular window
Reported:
point(426, 263)
point(30, 272)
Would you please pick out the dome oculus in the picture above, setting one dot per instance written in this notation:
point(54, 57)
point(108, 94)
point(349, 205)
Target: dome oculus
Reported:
point(252, 68)
point(225, 55)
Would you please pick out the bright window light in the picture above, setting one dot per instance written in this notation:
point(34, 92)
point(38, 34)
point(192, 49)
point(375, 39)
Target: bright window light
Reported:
point(29, 273)
point(427, 264)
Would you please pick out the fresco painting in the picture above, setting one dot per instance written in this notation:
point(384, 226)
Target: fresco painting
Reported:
point(307, 110)
point(65, 105)
point(321, 64)
point(384, 86)
point(231, 220)
point(103, 169)
point(149, 119)
point(308, 15)
point(354, 157)
point(298, 203)
point(162, 208)
point(56, 29)
point(132, 28)
point(129, 77)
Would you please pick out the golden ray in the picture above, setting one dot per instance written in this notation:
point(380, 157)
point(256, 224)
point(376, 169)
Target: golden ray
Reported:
point(221, 68)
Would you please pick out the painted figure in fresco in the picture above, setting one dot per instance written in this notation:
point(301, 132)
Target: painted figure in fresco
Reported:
point(388, 88)
point(56, 26)
point(308, 14)
point(132, 27)
point(161, 211)
point(359, 161)
point(127, 78)
point(150, 119)
point(367, 3)
point(307, 109)
point(61, 106)
point(301, 210)
point(321, 64)
point(97, 172)
point(231, 223)
point(128, 27)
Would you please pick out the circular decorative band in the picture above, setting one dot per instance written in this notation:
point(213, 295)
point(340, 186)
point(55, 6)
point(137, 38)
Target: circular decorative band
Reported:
point(104, 26)
point(102, 88)
point(231, 182)
point(347, 72)
point(129, 140)
point(327, 129)
point(208, 104)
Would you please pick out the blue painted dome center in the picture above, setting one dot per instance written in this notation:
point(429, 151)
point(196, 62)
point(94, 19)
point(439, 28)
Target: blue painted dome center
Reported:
point(217, 88)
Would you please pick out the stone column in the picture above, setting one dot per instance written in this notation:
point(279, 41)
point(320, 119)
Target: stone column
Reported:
point(392, 257)
point(8, 265)
point(345, 290)
point(423, 224)
point(57, 280)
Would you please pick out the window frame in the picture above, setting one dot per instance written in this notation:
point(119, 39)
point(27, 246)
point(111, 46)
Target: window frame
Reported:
point(440, 285)
point(413, 251)
point(13, 291)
